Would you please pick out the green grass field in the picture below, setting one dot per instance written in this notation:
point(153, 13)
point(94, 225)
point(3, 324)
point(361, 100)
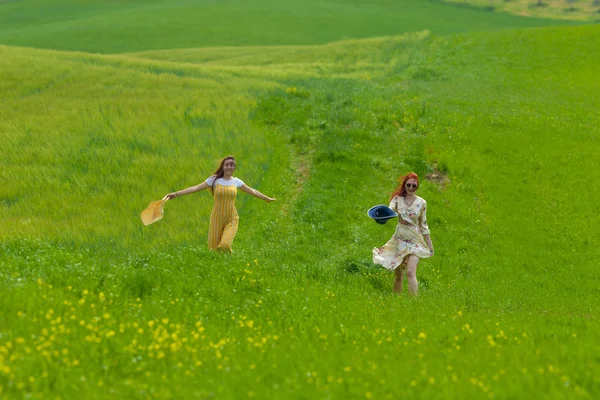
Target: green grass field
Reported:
point(134, 25)
point(500, 112)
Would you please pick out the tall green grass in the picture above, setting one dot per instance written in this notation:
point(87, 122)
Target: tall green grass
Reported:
point(94, 305)
point(89, 163)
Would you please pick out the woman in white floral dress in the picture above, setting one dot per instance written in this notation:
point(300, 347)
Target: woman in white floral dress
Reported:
point(412, 240)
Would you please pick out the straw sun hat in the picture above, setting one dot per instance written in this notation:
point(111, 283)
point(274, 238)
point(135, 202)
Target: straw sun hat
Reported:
point(154, 211)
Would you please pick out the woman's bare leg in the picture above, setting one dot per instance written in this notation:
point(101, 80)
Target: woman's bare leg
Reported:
point(411, 274)
point(399, 272)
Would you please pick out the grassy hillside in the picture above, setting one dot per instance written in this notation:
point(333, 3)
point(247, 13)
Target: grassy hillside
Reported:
point(108, 151)
point(134, 25)
point(97, 305)
point(359, 55)
point(73, 163)
point(502, 127)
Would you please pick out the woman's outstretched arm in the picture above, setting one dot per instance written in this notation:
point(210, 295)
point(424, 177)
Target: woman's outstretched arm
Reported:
point(191, 189)
point(256, 193)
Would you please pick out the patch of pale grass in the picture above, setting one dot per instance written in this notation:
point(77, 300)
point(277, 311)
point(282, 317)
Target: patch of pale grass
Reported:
point(574, 10)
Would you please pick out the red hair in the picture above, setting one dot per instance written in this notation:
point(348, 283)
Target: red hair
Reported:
point(401, 189)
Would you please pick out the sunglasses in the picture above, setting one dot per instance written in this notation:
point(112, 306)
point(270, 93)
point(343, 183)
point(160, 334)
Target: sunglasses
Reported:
point(412, 185)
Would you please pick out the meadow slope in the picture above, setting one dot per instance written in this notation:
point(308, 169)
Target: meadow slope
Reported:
point(137, 25)
point(98, 306)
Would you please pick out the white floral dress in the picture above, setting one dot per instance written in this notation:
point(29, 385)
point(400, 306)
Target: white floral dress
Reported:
point(408, 238)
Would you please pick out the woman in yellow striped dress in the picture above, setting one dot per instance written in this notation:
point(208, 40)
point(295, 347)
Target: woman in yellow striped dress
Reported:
point(224, 217)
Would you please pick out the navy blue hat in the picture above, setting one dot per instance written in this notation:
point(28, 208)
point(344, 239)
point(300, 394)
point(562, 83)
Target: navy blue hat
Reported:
point(381, 213)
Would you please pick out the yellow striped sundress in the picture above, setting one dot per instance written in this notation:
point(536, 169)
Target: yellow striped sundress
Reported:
point(224, 217)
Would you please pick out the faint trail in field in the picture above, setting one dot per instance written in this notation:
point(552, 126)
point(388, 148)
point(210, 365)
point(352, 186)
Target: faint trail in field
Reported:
point(301, 164)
